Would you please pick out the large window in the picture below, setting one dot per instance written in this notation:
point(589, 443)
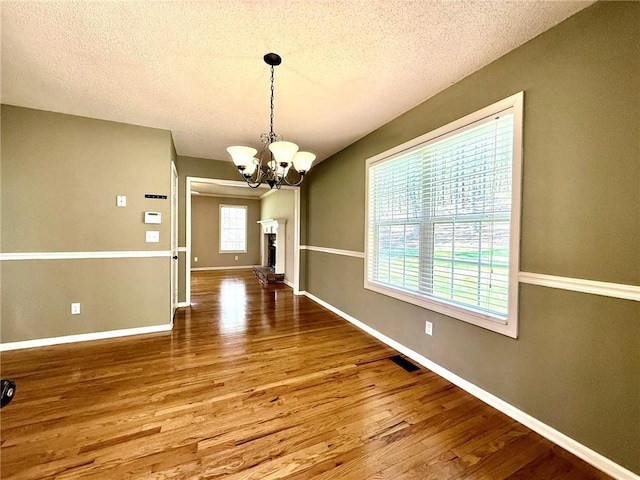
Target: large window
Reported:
point(233, 229)
point(443, 216)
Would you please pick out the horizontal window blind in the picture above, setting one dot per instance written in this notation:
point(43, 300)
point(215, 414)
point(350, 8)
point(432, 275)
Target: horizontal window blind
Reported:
point(439, 218)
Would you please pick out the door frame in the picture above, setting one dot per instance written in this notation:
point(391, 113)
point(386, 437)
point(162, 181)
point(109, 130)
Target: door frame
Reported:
point(240, 183)
point(173, 288)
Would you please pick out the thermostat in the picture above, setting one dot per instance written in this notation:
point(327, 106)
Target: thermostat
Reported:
point(152, 217)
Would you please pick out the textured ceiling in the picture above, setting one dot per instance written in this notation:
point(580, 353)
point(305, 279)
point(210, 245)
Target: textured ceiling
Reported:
point(195, 67)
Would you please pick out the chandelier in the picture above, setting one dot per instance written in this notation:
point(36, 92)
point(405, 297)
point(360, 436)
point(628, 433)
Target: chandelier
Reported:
point(273, 165)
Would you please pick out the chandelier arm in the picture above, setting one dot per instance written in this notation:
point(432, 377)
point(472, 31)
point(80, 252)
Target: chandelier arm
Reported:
point(255, 183)
point(295, 184)
point(252, 184)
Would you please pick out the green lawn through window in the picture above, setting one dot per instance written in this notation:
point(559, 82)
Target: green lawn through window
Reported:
point(454, 279)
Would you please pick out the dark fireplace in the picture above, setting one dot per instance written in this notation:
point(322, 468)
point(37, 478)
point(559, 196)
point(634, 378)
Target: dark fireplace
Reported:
point(271, 248)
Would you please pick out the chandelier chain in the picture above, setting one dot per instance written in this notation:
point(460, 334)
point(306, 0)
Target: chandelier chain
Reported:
point(271, 134)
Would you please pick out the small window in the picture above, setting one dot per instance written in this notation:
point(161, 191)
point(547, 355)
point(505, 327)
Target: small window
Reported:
point(443, 218)
point(233, 229)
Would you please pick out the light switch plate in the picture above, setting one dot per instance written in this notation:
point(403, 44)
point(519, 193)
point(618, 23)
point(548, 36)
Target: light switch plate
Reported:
point(153, 236)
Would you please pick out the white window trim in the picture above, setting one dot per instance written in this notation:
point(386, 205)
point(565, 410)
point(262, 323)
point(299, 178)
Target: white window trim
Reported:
point(220, 250)
point(510, 326)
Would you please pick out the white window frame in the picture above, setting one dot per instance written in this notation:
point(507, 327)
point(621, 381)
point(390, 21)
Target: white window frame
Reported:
point(509, 327)
point(244, 207)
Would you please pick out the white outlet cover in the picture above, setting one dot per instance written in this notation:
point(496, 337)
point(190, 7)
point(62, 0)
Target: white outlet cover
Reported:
point(75, 309)
point(121, 200)
point(152, 236)
point(428, 328)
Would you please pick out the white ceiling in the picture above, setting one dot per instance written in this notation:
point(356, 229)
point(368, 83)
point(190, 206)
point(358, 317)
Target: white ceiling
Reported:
point(196, 68)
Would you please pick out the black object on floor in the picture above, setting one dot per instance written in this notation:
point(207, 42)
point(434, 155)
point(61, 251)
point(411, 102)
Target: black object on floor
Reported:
point(404, 363)
point(7, 391)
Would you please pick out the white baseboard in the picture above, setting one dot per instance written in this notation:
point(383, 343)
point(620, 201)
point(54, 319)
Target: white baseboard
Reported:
point(585, 453)
point(204, 269)
point(83, 337)
point(288, 283)
point(183, 304)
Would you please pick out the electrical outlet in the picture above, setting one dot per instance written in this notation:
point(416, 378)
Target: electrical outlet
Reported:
point(121, 200)
point(428, 328)
point(195, 259)
point(75, 309)
point(236, 257)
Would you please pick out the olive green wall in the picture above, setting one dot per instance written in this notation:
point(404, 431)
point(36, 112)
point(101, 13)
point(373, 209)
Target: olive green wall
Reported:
point(115, 293)
point(576, 363)
point(60, 177)
point(203, 168)
point(205, 233)
point(281, 205)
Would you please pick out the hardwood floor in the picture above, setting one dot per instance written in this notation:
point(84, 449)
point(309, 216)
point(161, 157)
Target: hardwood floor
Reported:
point(254, 383)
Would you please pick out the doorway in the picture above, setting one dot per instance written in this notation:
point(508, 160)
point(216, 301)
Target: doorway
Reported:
point(222, 185)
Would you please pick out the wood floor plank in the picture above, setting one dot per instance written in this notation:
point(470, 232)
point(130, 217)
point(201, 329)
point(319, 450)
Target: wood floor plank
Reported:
point(254, 383)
